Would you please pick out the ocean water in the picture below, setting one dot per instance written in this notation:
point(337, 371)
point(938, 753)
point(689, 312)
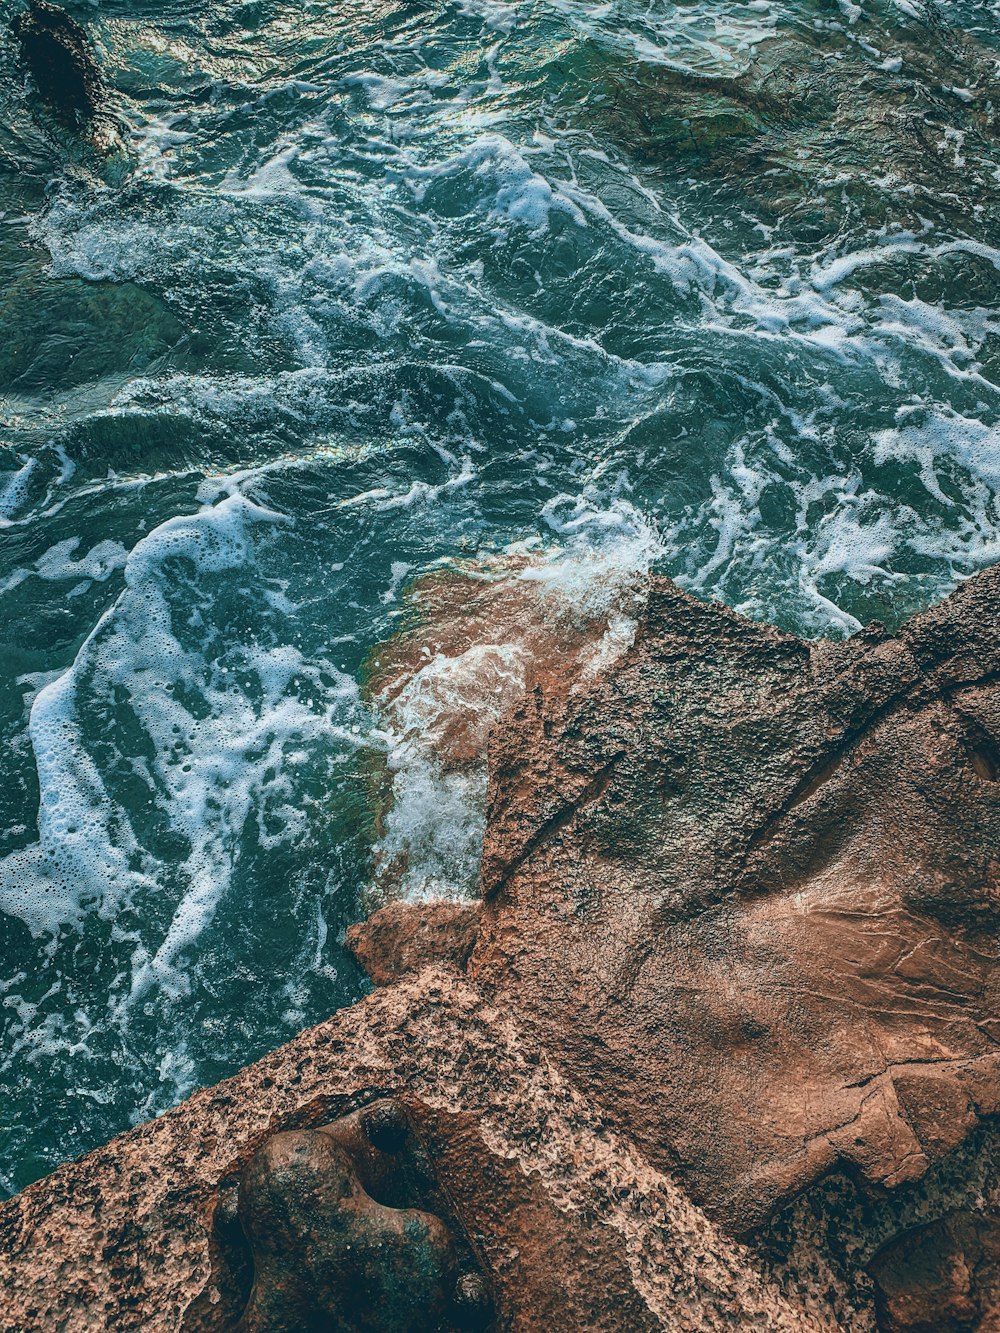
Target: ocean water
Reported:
point(337, 294)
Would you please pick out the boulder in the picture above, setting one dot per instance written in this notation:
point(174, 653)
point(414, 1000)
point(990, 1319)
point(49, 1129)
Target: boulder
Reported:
point(746, 890)
point(403, 938)
point(941, 1278)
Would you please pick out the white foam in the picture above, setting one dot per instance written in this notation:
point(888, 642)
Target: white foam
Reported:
point(56, 564)
point(435, 826)
point(494, 14)
point(417, 493)
point(935, 438)
point(14, 487)
point(508, 187)
point(84, 244)
point(593, 580)
point(224, 724)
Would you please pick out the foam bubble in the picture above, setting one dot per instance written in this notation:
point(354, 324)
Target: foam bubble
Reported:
point(56, 564)
point(14, 487)
point(583, 595)
point(219, 725)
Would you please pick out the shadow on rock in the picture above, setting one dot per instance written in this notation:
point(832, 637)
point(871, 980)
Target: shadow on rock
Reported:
point(342, 1227)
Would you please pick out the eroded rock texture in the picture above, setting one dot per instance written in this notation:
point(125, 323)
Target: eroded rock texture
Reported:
point(344, 1228)
point(737, 944)
point(571, 1227)
point(746, 888)
point(941, 1278)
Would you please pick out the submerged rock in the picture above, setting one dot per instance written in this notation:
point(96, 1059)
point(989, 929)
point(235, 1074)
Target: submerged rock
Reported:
point(818, 124)
point(60, 57)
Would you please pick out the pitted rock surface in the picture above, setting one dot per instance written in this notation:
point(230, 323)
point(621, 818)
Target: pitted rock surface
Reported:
point(573, 1229)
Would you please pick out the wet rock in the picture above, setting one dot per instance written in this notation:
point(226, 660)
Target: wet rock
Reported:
point(472, 1301)
point(326, 1254)
point(346, 1228)
point(817, 124)
point(402, 938)
point(386, 1126)
point(60, 57)
point(941, 1278)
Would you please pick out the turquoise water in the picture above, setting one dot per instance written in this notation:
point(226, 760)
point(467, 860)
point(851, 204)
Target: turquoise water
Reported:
point(348, 290)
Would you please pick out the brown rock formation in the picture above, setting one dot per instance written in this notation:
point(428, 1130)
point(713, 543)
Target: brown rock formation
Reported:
point(343, 1227)
point(397, 941)
point(941, 1278)
point(572, 1228)
point(740, 897)
point(746, 889)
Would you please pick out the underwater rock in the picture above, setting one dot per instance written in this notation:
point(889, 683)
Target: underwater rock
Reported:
point(941, 1278)
point(818, 125)
point(58, 52)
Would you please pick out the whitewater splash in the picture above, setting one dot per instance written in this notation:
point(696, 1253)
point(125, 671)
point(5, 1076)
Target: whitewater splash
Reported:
point(369, 313)
point(485, 632)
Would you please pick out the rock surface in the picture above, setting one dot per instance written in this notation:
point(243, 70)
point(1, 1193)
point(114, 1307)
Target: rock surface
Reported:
point(738, 930)
point(573, 1228)
point(746, 890)
point(396, 941)
point(941, 1278)
point(343, 1230)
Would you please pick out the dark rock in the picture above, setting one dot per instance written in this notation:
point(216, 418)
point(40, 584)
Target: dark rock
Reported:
point(329, 1256)
point(386, 1126)
point(473, 1302)
point(61, 59)
point(348, 1229)
point(941, 1278)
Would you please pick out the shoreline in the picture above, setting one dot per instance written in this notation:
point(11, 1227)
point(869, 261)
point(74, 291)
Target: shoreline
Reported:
point(583, 1060)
